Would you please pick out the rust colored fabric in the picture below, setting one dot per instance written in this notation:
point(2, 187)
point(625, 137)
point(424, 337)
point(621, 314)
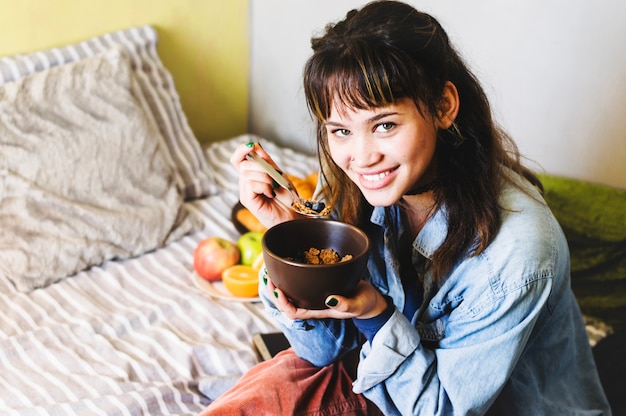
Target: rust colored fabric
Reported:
point(287, 385)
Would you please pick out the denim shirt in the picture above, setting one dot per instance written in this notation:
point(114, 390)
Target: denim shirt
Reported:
point(501, 334)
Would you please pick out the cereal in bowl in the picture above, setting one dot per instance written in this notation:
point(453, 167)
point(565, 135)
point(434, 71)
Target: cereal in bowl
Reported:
point(321, 256)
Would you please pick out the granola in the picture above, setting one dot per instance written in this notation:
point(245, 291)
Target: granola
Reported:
point(321, 256)
point(311, 206)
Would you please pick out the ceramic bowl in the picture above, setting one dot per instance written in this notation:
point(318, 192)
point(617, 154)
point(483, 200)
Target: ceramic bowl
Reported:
point(308, 285)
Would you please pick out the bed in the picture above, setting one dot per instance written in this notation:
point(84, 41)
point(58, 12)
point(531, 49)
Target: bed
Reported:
point(105, 195)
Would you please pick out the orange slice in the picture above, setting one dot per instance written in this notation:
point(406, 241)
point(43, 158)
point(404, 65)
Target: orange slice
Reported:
point(258, 262)
point(241, 280)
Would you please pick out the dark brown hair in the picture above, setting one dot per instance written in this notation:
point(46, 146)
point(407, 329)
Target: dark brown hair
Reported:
point(386, 51)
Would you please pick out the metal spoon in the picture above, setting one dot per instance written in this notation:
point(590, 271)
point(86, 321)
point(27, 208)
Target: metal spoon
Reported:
point(280, 179)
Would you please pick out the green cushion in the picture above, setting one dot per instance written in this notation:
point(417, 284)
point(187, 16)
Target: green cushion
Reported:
point(593, 218)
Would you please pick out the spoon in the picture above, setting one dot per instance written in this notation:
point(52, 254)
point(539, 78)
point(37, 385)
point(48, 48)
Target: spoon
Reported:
point(280, 179)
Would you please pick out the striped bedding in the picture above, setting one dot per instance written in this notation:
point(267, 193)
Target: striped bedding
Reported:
point(135, 337)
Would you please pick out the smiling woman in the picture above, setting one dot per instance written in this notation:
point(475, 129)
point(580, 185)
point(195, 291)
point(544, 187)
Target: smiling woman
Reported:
point(468, 264)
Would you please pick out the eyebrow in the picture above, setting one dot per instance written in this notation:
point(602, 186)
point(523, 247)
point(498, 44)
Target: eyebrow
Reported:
point(370, 120)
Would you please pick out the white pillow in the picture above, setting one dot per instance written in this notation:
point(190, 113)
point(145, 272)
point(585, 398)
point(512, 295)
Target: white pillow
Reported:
point(84, 177)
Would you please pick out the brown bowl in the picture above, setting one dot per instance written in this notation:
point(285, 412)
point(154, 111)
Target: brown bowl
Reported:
point(308, 285)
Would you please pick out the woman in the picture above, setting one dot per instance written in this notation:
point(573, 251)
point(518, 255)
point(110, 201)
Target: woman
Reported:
point(467, 307)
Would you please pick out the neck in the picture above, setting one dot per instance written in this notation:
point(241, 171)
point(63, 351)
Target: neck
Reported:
point(424, 188)
point(417, 210)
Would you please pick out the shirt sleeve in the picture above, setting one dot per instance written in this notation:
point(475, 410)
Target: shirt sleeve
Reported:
point(401, 376)
point(370, 326)
point(319, 341)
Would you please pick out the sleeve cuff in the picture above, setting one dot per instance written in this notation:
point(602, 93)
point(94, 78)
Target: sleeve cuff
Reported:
point(370, 326)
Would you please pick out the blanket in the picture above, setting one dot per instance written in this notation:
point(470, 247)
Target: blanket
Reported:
point(593, 218)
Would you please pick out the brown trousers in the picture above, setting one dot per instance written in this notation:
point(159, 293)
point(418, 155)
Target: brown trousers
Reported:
point(290, 386)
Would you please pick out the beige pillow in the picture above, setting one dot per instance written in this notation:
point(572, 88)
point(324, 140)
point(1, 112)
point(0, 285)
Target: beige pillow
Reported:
point(84, 177)
point(157, 94)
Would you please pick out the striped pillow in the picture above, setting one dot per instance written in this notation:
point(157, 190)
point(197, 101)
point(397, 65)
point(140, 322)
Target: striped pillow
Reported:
point(160, 98)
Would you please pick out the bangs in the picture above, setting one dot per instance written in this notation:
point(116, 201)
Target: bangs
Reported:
point(358, 79)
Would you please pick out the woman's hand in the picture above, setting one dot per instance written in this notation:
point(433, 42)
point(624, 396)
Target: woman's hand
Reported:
point(366, 302)
point(257, 190)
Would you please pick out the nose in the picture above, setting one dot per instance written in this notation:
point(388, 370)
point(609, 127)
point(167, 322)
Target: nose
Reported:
point(364, 152)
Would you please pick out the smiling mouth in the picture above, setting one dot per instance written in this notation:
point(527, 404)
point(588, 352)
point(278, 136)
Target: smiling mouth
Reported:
point(378, 176)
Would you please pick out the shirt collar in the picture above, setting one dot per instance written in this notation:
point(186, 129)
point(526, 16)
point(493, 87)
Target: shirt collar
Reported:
point(428, 240)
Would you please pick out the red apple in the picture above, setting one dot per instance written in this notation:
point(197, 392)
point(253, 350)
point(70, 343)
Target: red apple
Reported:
point(213, 255)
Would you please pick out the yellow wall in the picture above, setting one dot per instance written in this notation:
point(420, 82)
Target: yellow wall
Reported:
point(204, 44)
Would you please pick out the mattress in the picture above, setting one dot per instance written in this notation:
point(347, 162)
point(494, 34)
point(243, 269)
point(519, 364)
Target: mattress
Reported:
point(136, 336)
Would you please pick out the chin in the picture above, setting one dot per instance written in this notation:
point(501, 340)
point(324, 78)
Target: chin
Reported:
point(380, 200)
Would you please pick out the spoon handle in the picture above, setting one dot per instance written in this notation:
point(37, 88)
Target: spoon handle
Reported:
point(273, 173)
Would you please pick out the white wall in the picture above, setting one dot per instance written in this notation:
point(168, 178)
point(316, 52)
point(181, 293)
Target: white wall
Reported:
point(555, 71)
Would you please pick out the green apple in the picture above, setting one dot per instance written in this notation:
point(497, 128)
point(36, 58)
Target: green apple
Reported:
point(250, 245)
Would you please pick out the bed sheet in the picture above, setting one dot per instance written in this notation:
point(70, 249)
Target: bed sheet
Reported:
point(136, 336)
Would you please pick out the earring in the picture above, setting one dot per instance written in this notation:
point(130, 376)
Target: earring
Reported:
point(453, 135)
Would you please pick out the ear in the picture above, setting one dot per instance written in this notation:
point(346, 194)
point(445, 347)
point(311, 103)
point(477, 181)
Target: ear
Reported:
point(448, 106)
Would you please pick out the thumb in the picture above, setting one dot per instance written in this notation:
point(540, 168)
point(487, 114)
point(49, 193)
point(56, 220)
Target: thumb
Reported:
point(335, 302)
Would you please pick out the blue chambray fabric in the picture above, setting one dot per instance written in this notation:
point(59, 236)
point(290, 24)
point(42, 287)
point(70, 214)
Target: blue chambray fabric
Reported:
point(501, 334)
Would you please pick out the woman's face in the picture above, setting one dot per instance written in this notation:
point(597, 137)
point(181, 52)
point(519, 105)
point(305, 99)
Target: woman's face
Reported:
point(385, 151)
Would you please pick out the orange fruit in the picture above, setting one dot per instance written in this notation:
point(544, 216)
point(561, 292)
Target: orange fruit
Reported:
point(258, 262)
point(241, 280)
point(304, 188)
point(248, 220)
point(312, 179)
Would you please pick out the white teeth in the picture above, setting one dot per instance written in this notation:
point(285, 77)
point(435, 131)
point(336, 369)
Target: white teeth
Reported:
point(376, 177)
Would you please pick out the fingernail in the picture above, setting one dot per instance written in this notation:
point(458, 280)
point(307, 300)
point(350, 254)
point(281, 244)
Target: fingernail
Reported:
point(332, 302)
point(250, 144)
point(273, 193)
point(275, 184)
point(279, 171)
point(265, 280)
point(276, 294)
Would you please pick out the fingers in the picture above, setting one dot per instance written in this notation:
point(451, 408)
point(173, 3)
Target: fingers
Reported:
point(240, 161)
point(283, 304)
point(252, 179)
point(366, 302)
point(254, 183)
point(240, 153)
point(257, 190)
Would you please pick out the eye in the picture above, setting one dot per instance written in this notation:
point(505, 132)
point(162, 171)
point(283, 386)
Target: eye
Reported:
point(341, 132)
point(385, 127)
